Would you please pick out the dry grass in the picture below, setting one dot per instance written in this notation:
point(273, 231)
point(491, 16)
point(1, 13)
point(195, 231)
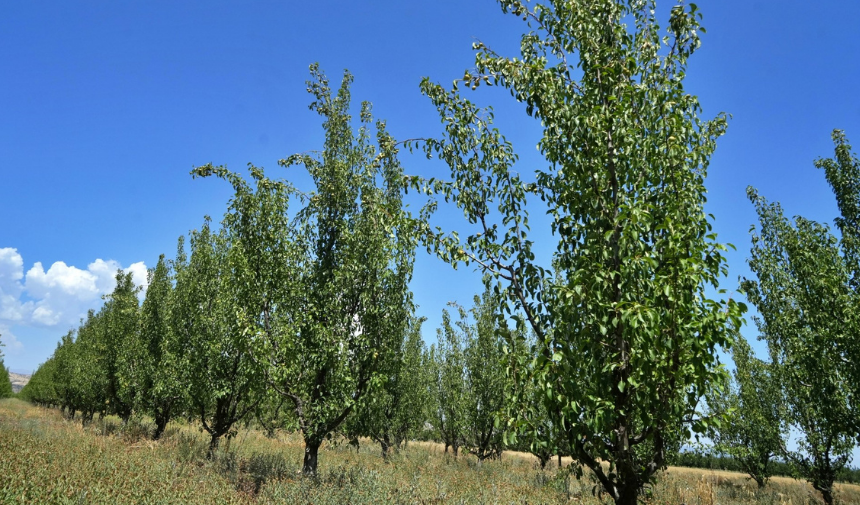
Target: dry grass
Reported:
point(780, 490)
point(44, 459)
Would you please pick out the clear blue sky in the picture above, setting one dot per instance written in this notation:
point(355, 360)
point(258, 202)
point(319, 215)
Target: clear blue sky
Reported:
point(106, 106)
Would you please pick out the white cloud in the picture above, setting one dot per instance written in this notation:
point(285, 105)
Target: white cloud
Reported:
point(64, 293)
point(60, 295)
point(104, 273)
point(45, 316)
point(140, 276)
point(11, 308)
point(11, 345)
point(61, 280)
point(11, 266)
point(11, 273)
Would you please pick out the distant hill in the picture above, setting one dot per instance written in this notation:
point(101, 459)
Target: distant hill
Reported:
point(19, 380)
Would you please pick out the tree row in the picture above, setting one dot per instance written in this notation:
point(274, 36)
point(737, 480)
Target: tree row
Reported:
point(608, 351)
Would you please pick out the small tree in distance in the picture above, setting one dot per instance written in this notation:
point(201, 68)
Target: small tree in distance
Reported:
point(448, 383)
point(390, 413)
point(5, 380)
point(485, 377)
point(753, 427)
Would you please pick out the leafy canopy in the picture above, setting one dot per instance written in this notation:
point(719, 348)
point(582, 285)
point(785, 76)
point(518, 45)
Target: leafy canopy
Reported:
point(322, 297)
point(627, 332)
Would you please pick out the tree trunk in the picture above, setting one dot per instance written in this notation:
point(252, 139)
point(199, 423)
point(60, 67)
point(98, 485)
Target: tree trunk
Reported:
point(826, 493)
point(309, 468)
point(628, 496)
point(160, 424)
point(385, 443)
point(213, 446)
point(628, 490)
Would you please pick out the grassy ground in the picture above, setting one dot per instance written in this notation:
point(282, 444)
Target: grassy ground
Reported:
point(45, 459)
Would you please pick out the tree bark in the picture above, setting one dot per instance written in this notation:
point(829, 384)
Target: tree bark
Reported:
point(309, 467)
point(385, 444)
point(627, 486)
point(213, 446)
point(826, 493)
point(160, 424)
point(629, 495)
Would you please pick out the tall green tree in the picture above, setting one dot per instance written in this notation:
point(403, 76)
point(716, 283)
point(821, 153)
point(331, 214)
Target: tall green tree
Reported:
point(843, 174)
point(223, 383)
point(448, 368)
point(390, 413)
point(753, 427)
point(88, 374)
point(627, 330)
point(410, 386)
point(160, 391)
point(39, 390)
point(65, 363)
point(5, 380)
point(120, 325)
point(485, 377)
point(806, 306)
point(323, 296)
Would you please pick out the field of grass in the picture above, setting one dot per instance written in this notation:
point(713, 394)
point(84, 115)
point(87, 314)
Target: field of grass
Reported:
point(46, 459)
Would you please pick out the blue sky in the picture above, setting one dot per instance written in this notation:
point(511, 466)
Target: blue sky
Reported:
point(106, 106)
